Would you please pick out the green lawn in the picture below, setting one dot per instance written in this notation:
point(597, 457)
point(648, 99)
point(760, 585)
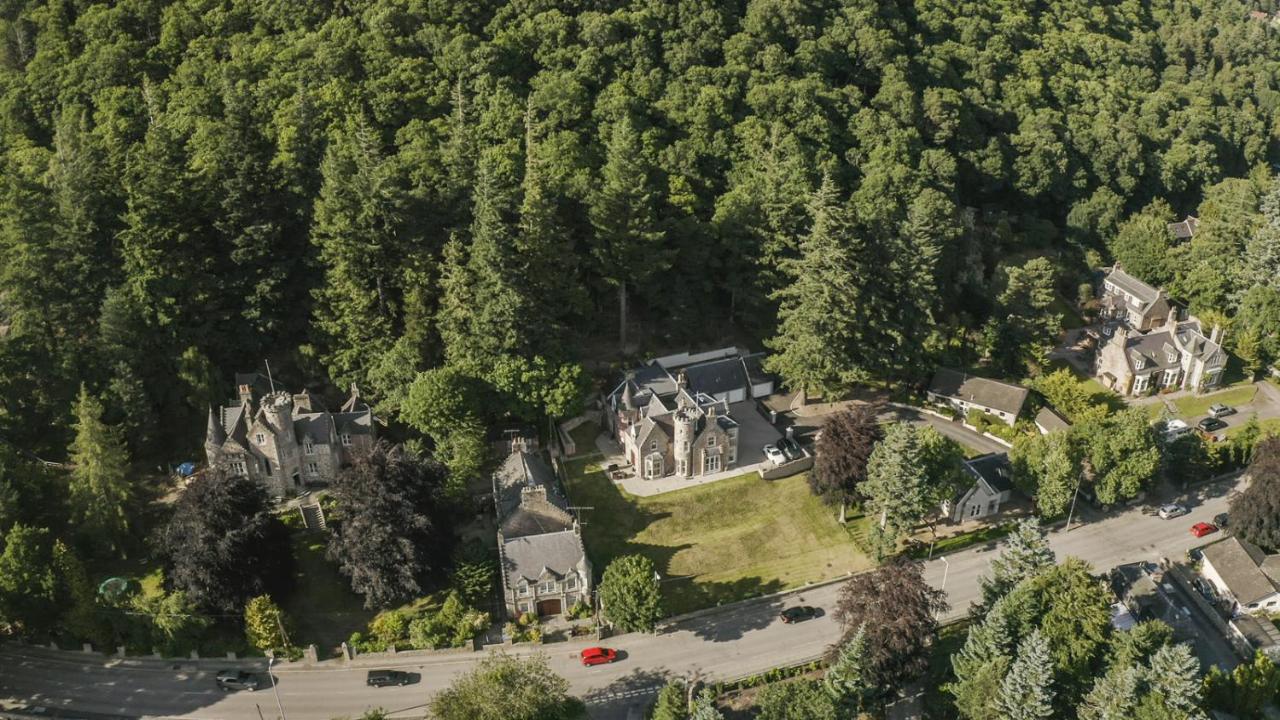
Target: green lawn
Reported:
point(1269, 427)
point(716, 543)
point(1197, 405)
point(322, 608)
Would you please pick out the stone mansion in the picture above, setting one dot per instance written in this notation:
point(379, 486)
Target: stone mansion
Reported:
point(285, 441)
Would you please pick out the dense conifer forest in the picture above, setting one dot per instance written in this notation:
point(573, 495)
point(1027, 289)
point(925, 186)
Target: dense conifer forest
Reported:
point(363, 190)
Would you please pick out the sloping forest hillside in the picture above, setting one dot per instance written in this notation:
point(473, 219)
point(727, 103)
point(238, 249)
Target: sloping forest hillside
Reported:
point(361, 190)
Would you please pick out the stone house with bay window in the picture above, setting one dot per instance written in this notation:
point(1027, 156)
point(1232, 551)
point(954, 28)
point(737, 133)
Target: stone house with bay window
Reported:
point(1146, 348)
point(285, 441)
point(544, 566)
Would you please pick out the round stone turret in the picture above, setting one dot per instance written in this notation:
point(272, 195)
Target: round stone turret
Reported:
point(682, 443)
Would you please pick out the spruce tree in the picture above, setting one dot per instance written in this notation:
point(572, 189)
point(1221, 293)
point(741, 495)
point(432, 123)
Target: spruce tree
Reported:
point(704, 707)
point(982, 664)
point(1027, 691)
point(847, 678)
point(819, 320)
point(100, 490)
point(896, 487)
point(624, 212)
point(1173, 679)
point(356, 228)
point(1026, 553)
point(1113, 697)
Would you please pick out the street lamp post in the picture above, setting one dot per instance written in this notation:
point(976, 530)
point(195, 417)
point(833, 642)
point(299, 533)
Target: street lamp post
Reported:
point(1074, 495)
point(271, 661)
point(946, 568)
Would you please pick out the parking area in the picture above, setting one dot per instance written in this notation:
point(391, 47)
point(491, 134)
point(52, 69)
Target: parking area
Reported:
point(754, 432)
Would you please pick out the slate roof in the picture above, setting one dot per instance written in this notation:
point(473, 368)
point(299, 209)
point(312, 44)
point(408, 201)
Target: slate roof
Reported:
point(1185, 229)
point(981, 391)
point(359, 422)
point(1050, 421)
point(1156, 348)
point(522, 470)
point(1239, 563)
point(316, 425)
point(538, 512)
point(717, 376)
point(754, 365)
point(1192, 338)
point(1132, 285)
point(527, 557)
point(994, 469)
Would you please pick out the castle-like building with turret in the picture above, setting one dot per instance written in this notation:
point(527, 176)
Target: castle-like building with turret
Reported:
point(672, 416)
point(285, 441)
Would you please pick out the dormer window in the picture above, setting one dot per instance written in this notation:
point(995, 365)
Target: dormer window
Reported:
point(260, 438)
point(346, 439)
point(1172, 356)
point(522, 590)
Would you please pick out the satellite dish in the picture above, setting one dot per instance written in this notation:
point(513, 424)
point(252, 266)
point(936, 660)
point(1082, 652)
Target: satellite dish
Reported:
point(114, 588)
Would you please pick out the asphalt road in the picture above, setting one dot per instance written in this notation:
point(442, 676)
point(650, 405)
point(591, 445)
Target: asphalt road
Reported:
point(738, 640)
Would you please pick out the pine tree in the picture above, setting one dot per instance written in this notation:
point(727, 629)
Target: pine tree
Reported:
point(1027, 691)
point(847, 679)
point(100, 491)
point(1113, 697)
point(820, 315)
point(624, 212)
point(672, 703)
point(1026, 553)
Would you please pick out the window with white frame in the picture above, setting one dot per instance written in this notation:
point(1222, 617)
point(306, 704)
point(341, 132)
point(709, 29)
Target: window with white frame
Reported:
point(313, 469)
point(522, 590)
point(711, 463)
point(711, 440)
point(571, 583)
point(308, 447)
point(237, 467)
point(346, 439)
point(260, 438)
point(547, 587)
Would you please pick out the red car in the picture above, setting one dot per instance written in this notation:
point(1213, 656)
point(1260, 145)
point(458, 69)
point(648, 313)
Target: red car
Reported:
point(598, 656)
point(1202, 528)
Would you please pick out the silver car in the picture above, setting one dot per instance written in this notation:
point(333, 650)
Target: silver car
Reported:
point(1172, 510)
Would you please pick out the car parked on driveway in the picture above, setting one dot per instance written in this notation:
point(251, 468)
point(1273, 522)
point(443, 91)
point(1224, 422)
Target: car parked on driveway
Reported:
point(790, 448)
point(1175, 429)
point(1201, 529)
point(1219, 410)
point(237, 680)
point(774, 455)
point(1211, 424)
point(1172, 510)
point(598, 656)
point(799, 613)
point(386, 678)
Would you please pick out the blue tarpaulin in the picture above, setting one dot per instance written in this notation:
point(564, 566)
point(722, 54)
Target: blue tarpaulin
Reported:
point(186, 468)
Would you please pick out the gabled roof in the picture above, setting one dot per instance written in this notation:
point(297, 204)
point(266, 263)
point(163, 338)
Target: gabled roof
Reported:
point(1239, 564)
point(1185, 229)
point(1155, 347)
point(992, 469)
point(754, 365)
point(519, 471)
point(1050, 421)
point(1133, 286)
point(717, 376)
point(318, 426)
point(978, 390)
point(530, 556)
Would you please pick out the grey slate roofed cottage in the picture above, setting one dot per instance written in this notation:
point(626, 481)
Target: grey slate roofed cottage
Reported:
point(973, 390)
point(1239, 564)
point(1047, 420)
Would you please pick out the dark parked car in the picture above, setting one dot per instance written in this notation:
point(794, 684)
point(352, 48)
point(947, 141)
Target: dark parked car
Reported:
point(1211, 424)
point(383, 678)
point(1220, 520)
point(237, 680)
point(790, 448)
point(800, 613)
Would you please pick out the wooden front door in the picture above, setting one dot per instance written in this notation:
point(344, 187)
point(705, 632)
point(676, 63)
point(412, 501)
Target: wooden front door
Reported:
point(548, 607)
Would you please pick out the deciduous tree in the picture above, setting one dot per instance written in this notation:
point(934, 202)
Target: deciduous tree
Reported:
point(840, 466)
point(1255, 513)
point(629, 594)
point(392, 527)
point(898, 610)
point(504, 687)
